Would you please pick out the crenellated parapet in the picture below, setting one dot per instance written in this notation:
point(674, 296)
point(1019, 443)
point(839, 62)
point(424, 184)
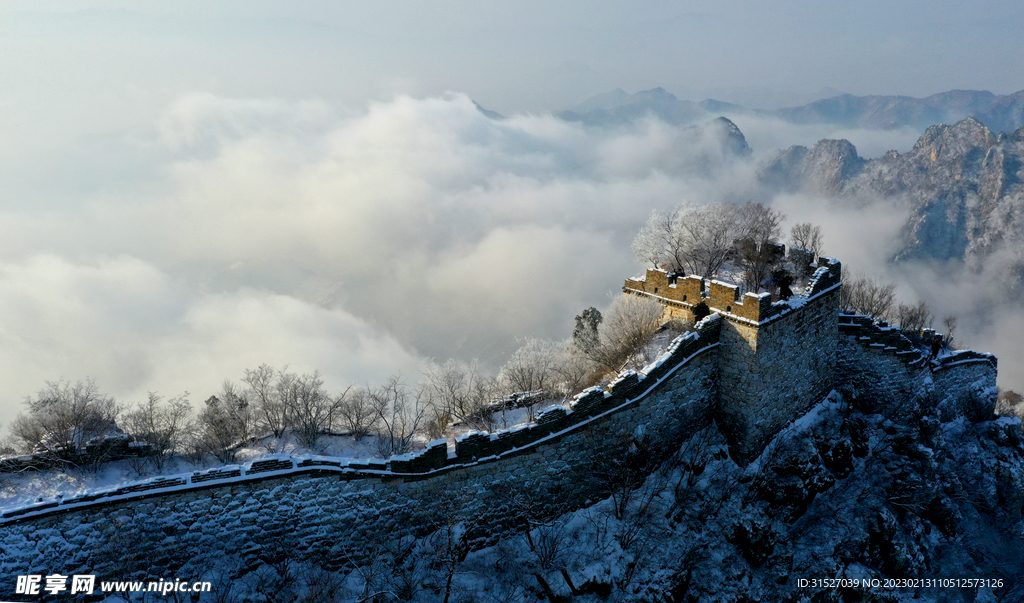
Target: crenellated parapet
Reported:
point(630, 390)
point(753, 367)
point(777, 358)
point(885, 339)
point(495, 483)
point(681, 295)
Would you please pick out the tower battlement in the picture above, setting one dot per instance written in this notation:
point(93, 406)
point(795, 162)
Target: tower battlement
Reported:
point(680, 296)
point(776, 359)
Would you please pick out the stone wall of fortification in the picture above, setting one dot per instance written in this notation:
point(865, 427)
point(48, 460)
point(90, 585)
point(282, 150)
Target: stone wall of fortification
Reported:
point(774, 372)
point(877, 363)
point(754, 367)
point(335, 516)
point(776, 359)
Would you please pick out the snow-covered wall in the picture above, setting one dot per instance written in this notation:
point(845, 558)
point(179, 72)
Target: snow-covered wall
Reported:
point(776, 360)
point(775, 371)
point(752, 374)
point(496, 484)
point(878, 364)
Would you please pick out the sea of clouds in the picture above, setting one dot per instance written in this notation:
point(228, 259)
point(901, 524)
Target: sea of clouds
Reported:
point(360, 243)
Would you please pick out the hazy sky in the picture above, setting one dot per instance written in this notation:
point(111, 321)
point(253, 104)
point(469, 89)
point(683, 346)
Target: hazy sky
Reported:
point(188, 189)
point(512, 57)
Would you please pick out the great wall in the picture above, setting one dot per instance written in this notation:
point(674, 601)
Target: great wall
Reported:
point(753, 367)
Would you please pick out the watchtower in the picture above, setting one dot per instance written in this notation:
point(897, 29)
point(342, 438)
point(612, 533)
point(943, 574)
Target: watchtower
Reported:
point(775, 360)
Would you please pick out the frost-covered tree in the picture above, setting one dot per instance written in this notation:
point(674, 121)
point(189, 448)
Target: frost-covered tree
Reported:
point(458, 392)
point(572, 368)
point(760, 227)
point(63, 416)
point(627, 328)
point(531, 367)
point(224, 423)
point(807, 236)
point(164, 425)
point(694, 238)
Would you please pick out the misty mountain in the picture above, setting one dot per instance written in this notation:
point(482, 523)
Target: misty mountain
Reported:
point(962, 185)
point(999, 113)
point(720, 134)
point(490, 114)
point(886, 112)
point(704, 150)
point(619, 108)
point(716, 106)
point(1006, 113)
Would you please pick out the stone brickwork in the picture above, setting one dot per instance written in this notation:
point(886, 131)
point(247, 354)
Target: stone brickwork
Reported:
point(753, 367)
point(336, 513)
point(777, 359)
point(878, 363)
point(774, 372)
point(679, 296)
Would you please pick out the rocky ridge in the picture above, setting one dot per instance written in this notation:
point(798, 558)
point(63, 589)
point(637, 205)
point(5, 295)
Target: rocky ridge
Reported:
point(961, 183)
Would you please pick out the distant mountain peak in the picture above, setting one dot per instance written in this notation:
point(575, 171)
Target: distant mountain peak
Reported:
point(618, 108)
point(659, 91)
point(491, 114)
point(716, 106)
point(998, 113)
point(960, 183)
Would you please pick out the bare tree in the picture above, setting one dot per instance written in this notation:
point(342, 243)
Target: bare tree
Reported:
point(63, 416)
point(267, 390)
point(356, 413)
point(551, 546)
point(400, 413)
point(760, 228)
point(913, 318)
point(321, 585)
point(26, 434)
point(693, 238)
point(807, 236)
point(868, 296)
point(448, 544)
point(950, 323)
point(628, 327)
point(162, 425)
point(448, 388)
point(311, 410)
point(458, 392)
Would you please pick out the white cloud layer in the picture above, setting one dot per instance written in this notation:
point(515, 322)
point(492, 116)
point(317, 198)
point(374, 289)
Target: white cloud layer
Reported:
point(252, 231)
point(236, 232)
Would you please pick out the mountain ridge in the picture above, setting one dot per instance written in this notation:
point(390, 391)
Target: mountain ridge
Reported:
point(1001, 113)
point(963, 185)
